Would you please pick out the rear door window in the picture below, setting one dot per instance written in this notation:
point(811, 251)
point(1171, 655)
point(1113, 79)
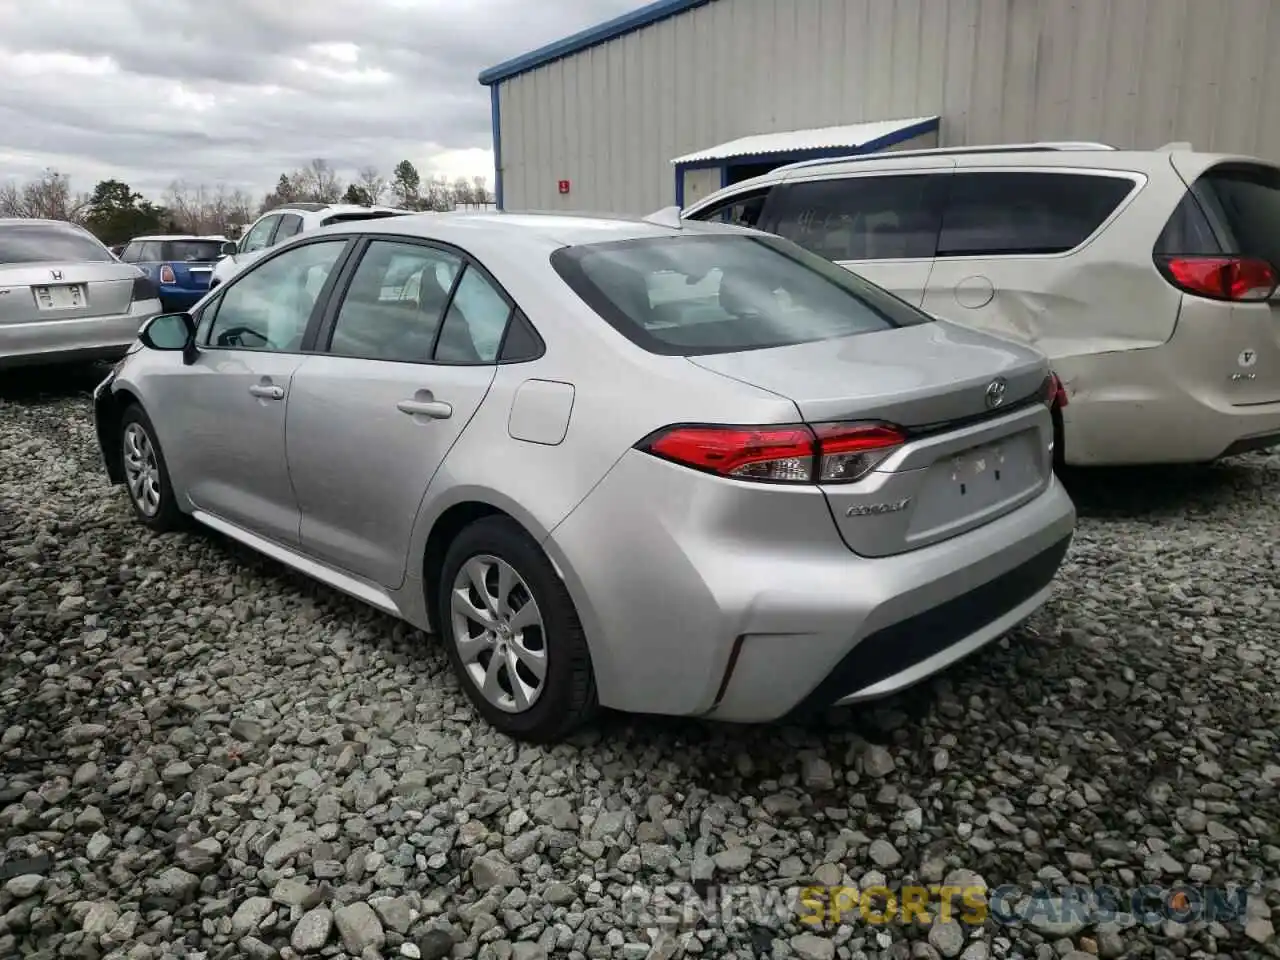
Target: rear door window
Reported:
point(290, 224)
point(863, 218)
point(1231, 209)
point(1012, 213)
point(742, 210)
point(693, 295)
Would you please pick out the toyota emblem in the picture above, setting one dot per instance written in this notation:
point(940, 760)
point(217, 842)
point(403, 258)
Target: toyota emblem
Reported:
point(995, 393)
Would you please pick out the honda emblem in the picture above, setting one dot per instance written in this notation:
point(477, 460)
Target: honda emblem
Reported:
point(56, 274)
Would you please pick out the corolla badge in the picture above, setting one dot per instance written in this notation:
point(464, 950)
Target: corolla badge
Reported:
point(875, 509)
point(995, 393)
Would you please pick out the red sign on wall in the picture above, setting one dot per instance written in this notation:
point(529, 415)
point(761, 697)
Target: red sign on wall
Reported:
point(563, 186)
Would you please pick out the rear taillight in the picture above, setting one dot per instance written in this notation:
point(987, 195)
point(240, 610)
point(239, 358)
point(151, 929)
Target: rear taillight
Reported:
point(1221, 278)
point(144, 289)
point(1053, 392)
point(797, 453)
point(166, 274)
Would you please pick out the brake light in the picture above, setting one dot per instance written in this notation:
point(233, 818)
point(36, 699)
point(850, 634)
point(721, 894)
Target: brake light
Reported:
point(1053, 392)
point(1242, 279)
point(144, 289)
point(795, 453)
point(166, 274)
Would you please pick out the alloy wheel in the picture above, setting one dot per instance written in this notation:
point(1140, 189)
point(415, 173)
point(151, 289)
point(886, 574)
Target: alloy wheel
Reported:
point(499, 633)
point(141, 470)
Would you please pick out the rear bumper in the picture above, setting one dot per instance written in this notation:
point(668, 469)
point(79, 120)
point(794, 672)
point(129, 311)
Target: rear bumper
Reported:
point(756, 611)
point(179, 299)
point(66, 341)
point(1157, 405)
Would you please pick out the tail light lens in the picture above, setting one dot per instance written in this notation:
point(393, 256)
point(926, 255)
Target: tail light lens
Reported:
point(144, 289)
point(166, 274)
point(799, 453)
point(1241, 279)
point(1053, 392)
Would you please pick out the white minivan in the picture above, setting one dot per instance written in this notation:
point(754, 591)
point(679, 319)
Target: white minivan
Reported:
point(1149, 277)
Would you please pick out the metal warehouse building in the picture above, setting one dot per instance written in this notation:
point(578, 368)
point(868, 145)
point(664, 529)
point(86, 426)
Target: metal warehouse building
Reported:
point(680, 97)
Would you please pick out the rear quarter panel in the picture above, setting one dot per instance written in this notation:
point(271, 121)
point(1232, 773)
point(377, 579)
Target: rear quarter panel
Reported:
point(1104, 296)
point(620, 395)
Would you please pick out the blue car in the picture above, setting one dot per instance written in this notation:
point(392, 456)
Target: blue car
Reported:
point(179, 266)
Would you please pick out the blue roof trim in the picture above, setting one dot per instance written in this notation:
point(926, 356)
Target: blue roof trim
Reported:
point(593, 36)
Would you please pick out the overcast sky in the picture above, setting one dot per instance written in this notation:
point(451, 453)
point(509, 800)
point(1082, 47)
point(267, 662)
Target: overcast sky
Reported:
point(238, 91)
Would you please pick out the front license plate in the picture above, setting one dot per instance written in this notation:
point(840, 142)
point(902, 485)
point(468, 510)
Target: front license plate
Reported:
point(67, 296)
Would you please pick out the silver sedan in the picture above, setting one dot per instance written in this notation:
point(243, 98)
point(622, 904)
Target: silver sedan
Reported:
point(681, 469)
point(65, 297)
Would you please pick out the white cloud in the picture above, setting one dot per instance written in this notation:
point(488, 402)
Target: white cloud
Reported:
point(236, 92)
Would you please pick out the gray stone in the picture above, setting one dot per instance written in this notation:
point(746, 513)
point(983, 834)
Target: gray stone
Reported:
point(359, 927)
point(808, 946)
point(492, 871)
point(312, 931)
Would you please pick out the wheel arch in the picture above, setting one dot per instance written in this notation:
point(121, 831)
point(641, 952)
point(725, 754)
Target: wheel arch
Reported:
point(108, 412)
point(467, 505)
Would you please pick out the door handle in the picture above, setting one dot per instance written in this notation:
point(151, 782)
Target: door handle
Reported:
point(435, 409)
point(267, 392)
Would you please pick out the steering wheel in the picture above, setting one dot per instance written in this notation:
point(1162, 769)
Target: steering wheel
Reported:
point(234, 337)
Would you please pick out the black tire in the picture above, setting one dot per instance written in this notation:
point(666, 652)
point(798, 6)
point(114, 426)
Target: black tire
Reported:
point(568, 696)
point(167, 517)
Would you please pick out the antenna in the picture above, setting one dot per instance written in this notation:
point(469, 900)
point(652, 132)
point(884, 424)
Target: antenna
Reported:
point(666, 217)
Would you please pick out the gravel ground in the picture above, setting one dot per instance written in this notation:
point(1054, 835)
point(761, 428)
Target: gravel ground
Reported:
point(203, 755)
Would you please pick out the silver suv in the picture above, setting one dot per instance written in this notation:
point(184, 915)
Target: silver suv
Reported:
point(1148, 277)
point(285, 222)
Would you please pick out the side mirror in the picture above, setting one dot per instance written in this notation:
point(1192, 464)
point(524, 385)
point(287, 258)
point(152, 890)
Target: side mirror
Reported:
point(170, 332)
point(229, 248)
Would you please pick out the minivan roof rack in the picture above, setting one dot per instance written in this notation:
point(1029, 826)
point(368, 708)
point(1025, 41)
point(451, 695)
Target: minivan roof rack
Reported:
point(1054, 145)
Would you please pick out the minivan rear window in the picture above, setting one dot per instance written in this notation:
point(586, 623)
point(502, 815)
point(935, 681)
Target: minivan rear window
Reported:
point(1014, 213)
point(1231, 209)
point(693, 295)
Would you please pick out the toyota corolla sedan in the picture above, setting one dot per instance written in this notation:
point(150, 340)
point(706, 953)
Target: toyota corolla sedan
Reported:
point(679, 469)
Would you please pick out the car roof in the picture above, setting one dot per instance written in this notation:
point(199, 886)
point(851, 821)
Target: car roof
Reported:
point(543, 231)
point(43, 221)
point(172, 236)
point(1074, 155)
point(309, 207)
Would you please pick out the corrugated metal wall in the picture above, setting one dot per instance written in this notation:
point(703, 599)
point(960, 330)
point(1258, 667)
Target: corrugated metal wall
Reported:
point(1134, 73)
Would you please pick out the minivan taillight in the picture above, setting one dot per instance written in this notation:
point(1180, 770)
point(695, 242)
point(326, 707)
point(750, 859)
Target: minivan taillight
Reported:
point(1243, 279)
point(144, 289)
point(794, 453)
point(1053, 392)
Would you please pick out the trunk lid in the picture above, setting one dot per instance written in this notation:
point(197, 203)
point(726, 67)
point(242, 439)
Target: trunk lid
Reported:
point(31, 292)
point(967, 461)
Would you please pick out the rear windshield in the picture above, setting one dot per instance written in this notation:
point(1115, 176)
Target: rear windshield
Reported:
point(1231, 209)
point(362, 215)
point(49, 243)
point(192, 251)
point(696, 295)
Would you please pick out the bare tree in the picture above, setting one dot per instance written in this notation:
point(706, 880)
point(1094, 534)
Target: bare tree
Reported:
point(318, 181)
point(48, 197)
point(199, 209)
point(372, 184)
